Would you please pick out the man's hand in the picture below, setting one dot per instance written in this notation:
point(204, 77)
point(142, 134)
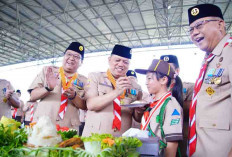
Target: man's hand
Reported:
point(51, 78)
point(122, 84)
point(70, 93)
point(9, 92)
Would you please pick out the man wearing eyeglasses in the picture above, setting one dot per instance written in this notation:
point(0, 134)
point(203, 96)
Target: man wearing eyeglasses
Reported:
point(60, 90)
point(107, 93)
point(210, 115)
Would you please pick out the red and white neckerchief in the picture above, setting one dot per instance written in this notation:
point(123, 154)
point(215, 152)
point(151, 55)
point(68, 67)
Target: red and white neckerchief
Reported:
point(31, 111)
point(145, 121)
point(192, 110)
point(15, 113)
point(63, 105)
point(116, 102)
point(65, 85)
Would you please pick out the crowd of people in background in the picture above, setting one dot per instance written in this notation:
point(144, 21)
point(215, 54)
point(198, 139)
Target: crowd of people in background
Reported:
point(190, 119)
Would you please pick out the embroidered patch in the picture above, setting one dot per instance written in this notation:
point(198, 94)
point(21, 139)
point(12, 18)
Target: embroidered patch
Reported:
point(75, 82)
point(88, 83)
point(210, 91)
point(217, 80)
point(184, 90)
point(210, 72)
point(175, 113)
point(221, 59)
point(175, 121)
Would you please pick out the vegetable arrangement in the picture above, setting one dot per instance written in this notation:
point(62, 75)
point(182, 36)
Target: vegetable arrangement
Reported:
point(98, 145)
point(11, 137)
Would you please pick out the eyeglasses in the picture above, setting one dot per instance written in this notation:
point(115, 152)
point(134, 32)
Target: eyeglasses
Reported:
point(199, 25)
point(76, 57)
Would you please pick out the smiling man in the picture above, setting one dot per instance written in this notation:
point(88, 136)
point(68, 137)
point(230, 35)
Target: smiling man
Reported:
point(210, 114)
point(61, 90)
point(107, 92)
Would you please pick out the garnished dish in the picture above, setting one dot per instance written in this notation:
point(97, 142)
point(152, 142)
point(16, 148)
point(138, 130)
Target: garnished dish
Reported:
point(46, 139)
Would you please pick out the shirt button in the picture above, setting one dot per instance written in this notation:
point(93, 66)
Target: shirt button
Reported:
point(214, 125)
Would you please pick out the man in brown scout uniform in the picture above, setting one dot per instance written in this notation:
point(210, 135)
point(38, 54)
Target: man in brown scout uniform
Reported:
point(8, 98)
point(17, 113)
point(29, 110)
point(210, 113)
point(107, 92)
point(61, 90)
point(187, 97)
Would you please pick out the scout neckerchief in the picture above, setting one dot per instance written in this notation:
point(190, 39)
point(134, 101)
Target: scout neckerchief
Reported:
point(65, 85)
point(116, 103)
point(156, 105)
point(192, 110)
point(15, 113)
point(31, 111)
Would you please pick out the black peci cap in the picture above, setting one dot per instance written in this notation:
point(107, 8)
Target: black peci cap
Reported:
point(131, 73)
point(170, 59)
point(122, 51)
point(18, 91)
point(203, 10)
point(77, 47)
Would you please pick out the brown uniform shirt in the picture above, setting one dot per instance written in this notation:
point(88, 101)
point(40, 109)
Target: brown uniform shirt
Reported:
point(27, 110)
point(214, 107)
point(5, 108)
point(50, 105)
point(101, 121)
point(173, 121)
point(187, 97)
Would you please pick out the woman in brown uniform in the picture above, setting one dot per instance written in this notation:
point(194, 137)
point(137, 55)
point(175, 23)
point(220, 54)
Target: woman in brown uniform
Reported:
point(164, 117)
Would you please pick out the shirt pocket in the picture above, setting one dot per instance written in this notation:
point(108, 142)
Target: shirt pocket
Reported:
point(103, 89)
point(216, 124)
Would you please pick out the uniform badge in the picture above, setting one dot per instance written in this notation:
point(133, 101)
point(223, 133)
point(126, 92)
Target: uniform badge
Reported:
point(210, 91)
point(221, 59)
point(80, 85)
point(88, 83)
point(75, 82)
point(175, 113)
point(218, 72)
point(217, 80)
point(175, 121)
point(4, 92)
point(210, 72)
point(195, 11)
point(218, 65)
point(81, 48)
point(166, 59)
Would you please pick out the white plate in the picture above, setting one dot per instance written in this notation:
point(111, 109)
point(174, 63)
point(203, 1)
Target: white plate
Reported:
point(135, 105)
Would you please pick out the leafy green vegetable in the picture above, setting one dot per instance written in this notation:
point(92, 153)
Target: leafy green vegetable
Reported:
point(96, 137)
point(67, 134)
point(10, 140)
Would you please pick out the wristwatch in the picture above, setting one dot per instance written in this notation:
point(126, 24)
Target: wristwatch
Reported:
point(48, 89)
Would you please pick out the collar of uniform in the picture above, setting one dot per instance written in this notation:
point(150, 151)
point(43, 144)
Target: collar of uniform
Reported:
point(218, 49)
